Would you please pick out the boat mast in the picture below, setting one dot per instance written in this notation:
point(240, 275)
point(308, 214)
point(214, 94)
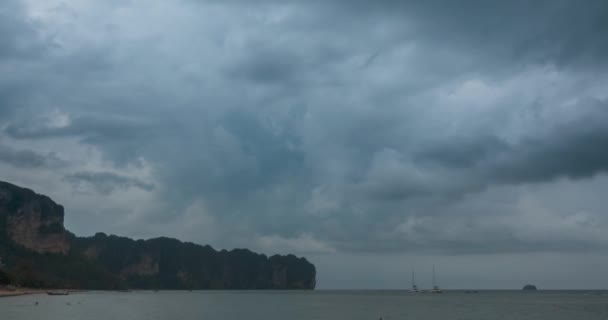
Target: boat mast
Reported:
point(435, 287)
point(413, 281)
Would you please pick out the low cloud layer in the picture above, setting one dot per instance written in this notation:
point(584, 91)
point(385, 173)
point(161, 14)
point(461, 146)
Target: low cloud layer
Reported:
point(317, 127)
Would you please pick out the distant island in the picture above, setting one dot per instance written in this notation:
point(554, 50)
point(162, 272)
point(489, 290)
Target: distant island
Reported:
point(529, 287)
point(36, 251)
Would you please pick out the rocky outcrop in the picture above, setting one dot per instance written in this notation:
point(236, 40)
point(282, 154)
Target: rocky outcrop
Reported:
point(33, 221)
point(165, 263)
point(529, 287)
point(41, 253)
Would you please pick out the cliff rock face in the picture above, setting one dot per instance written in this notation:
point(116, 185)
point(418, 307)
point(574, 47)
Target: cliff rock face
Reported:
point(165, 263)
point(41, 253)
point(33, 221)
point(146, 266)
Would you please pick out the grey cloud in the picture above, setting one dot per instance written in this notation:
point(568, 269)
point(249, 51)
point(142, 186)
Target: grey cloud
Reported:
point(91, 128)
point(578, 152)
point(256, 109)
point(559, 31)
point(21, 45)
point(106, 182)
point(29, 158)
point(575, 150)
point(122, 133)
point(20, 38)
point(268, 66)
point(518, 32)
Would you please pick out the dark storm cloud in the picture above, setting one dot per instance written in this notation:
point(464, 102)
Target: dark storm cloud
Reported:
point(106, 182)
point(92, 129)
point(520, 31)
point(122, 135)
point(541, 31)
point(578, 151)
point(575, 150)
point(334, 120)
point(28, 158)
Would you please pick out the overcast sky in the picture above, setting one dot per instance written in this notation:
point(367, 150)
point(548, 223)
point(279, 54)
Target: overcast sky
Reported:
point(372, 137)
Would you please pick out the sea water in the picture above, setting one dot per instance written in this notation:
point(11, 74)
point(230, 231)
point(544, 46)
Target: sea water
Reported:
point(308, 305)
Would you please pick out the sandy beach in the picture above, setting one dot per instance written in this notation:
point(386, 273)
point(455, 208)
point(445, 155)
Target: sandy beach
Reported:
point(20, 291)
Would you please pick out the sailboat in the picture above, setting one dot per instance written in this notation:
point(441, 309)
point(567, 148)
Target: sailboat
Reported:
point(435, 286)
point(414, 286)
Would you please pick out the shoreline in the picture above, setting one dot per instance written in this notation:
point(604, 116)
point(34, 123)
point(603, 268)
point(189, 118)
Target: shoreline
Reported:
point(19, 292)
point(26, 291)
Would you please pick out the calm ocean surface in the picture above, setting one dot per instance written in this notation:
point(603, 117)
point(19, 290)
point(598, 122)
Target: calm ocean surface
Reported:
point(275, 305)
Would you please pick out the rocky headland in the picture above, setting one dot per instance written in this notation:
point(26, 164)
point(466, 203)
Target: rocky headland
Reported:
point(36, 251)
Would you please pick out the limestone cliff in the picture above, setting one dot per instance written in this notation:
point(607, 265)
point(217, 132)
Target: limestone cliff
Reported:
point(39, 252)
point(165, 263)
point(33, 221)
